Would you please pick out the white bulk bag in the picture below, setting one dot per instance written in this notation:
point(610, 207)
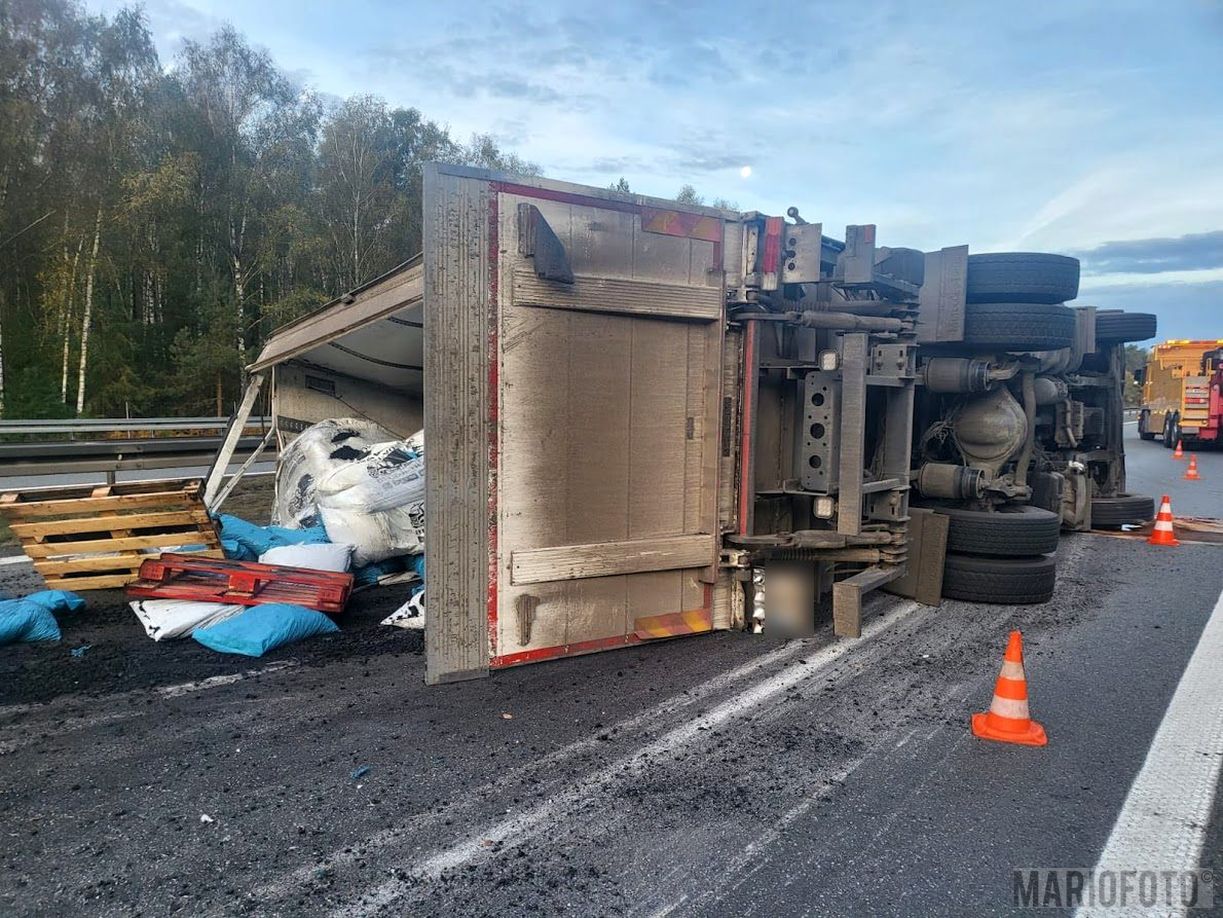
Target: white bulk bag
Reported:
point(164, 619)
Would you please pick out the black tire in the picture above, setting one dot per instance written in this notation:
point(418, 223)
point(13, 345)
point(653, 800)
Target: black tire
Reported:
point(1001, 581)
point(1022, 277)
point(1115, 326)
point(1015, 531)
point(908, 265)
point(1019, 326)
point(1115, 512)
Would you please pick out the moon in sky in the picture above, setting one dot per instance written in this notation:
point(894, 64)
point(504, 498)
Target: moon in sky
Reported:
point(746, 172)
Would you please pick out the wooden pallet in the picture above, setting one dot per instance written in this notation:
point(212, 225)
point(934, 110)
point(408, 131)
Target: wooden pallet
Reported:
point(87, 538)
point(247, 583)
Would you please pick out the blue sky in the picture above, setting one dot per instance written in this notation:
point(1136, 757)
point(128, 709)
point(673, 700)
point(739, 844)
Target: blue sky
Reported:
point(1089, 128)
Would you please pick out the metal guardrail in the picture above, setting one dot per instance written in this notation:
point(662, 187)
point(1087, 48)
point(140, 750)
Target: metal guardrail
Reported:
point(97, 426)
point(109, 457)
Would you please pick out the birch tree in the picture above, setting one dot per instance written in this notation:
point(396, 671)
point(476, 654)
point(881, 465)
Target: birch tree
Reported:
point(159, 218)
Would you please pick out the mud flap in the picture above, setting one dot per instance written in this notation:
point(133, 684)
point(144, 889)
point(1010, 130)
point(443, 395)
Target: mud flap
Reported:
point(923, 580)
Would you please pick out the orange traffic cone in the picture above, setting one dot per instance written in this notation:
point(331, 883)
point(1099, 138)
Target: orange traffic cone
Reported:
point(1007, 720)
point(1178, 453)
point(1163, 533)
point(1191, 473)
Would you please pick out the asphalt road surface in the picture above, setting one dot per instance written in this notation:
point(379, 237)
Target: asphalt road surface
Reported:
point(720, 775)
point(1150, 469)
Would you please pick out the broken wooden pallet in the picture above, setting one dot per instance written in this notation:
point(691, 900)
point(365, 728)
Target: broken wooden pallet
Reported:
point(246, 583)
point(87, 538)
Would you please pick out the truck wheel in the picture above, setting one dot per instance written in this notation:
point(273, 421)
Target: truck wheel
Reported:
point(1022, 277)
point(1019, 326)
point(1143, 420)
point(1124, 509)
point(1009, 532)
point(1003, 581)
point(1114, 326)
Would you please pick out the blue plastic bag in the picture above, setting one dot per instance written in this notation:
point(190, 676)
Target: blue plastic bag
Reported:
point(370, 574)
point(31, 619)
point(418, 565)
point(262, 628)
point(243, 541)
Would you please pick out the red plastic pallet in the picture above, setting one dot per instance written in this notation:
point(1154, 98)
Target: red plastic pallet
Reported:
point(240, 582)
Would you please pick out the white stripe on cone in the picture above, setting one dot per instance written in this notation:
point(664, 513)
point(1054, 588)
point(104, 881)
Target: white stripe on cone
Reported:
point(1009, 707)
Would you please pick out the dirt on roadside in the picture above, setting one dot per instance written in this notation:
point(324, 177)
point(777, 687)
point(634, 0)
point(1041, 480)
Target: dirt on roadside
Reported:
point(118, 656)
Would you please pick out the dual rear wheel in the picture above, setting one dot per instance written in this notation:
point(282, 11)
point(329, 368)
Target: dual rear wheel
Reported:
point(1003, 556)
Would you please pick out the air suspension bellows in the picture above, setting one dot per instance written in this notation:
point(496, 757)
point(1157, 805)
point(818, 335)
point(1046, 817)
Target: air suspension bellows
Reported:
point(951, 482)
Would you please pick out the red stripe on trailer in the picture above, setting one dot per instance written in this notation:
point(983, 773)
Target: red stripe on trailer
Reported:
point(494, 409)
point(770, 262)
point(565, 197)
point(563, 650)
point(745, 432)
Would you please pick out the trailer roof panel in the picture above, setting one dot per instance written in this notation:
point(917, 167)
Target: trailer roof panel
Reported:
point(394, 300)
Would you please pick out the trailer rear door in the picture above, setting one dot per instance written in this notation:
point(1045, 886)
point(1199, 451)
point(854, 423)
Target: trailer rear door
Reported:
point(573, 367)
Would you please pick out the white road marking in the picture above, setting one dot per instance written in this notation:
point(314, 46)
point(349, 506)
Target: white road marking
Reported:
point(165, 691)
point(16, 559)
point(546, 763)
point(754, 850)
point(1162, 825)
point(522, 826)
point(187, 688)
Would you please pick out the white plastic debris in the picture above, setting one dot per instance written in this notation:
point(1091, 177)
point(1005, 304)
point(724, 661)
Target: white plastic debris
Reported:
point(410, 615)
point(205, 818)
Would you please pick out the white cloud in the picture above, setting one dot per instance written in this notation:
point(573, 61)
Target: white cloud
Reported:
point(943, 125)
point(1092, 282)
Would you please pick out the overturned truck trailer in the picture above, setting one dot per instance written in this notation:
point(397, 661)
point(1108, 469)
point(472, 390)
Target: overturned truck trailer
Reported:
point(637, 413)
